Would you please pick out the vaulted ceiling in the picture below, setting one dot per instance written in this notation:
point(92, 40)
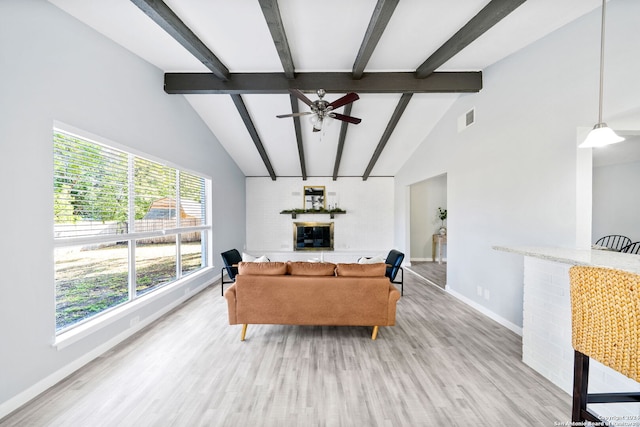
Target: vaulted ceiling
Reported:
point(408, 60)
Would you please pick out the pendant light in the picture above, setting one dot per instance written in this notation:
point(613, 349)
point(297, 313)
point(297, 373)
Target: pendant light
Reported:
point(601, 134)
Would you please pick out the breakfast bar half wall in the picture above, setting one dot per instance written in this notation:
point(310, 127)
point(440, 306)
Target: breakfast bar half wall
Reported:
point(546, 323)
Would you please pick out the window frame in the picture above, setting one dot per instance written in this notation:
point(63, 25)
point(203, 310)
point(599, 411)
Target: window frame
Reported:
point(72, 332)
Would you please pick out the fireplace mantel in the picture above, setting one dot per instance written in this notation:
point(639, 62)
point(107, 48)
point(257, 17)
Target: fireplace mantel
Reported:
point(295, 212)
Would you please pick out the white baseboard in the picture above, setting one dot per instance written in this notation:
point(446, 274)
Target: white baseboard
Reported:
point(490, 314)
point(41, 386)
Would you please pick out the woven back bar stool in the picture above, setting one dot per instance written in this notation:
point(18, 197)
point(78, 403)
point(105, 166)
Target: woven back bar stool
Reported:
point(605, 317)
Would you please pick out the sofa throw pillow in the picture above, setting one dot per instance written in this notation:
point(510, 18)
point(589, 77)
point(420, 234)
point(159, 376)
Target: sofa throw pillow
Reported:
point(250, 258)
point(262, 268)
point(247, 258)
point(361, 270)
point(371, 260)
point(296, 268)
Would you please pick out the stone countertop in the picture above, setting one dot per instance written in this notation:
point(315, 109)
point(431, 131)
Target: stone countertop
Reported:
point(590, 257)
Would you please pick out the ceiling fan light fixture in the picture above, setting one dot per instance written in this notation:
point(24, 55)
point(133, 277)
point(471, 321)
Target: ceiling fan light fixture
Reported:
point(599, 136)
point(316, 122)
point(321, 109)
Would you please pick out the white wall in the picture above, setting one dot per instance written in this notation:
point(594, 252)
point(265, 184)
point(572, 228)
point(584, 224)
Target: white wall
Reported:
point(366, 228)
point(512, 175)
point(426, 197)
point(616, 204)
point(56, 68)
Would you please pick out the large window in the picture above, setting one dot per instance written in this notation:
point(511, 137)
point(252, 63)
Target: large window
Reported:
point(124, 226)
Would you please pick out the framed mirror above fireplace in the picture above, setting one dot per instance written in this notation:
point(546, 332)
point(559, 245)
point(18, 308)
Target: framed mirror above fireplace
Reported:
point(315, 197)
point(313, 236)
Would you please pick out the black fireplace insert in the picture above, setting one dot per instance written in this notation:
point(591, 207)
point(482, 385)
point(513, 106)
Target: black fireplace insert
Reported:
point(313, 236)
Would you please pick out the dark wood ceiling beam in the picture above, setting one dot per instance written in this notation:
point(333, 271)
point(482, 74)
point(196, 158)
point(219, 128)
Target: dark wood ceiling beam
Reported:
point(341, 141)
point(395, 118)
point(268, 83)
point(296, 124)
point(246, 118)
point(489, 16)
point(271, 13)
point(162, 15)
point(379, 20)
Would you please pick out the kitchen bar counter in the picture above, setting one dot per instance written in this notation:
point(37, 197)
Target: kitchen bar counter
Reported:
point(590, 257)
point(546, 318)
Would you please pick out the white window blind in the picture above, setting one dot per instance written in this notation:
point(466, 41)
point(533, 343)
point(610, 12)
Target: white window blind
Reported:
point(124, 226)
point(90, 188)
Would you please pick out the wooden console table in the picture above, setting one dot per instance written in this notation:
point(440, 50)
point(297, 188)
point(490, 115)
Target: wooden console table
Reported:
point(440, 240)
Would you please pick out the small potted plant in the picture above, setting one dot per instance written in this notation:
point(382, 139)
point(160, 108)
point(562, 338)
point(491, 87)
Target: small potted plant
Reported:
point(442, 214)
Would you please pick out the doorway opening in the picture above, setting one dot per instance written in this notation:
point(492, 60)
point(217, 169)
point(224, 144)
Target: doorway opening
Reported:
point(428, 246)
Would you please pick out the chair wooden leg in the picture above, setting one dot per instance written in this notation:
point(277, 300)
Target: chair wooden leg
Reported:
point(244, 332)
point(580, 385)
point(374, 335)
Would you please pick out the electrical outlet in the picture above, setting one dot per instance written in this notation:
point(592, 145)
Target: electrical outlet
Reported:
point(486, 294)
point(479, 291)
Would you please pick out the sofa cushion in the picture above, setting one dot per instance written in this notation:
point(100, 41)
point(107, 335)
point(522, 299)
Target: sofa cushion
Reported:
point(361, 270)
point(296, 268)
point(262, 268)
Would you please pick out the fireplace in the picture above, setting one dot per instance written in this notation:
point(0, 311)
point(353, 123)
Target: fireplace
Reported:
point(313, 236)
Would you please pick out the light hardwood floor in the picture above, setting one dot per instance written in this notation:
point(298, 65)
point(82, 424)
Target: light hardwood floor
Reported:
point(442, 364)
point(432, 271)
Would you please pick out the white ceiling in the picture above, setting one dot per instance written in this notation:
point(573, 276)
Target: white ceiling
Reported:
point(323, 36)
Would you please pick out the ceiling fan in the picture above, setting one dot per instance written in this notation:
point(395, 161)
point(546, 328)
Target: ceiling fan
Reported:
point(322, 109)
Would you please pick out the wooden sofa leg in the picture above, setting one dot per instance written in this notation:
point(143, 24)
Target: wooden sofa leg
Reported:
point(374, 335)
point(244, 332)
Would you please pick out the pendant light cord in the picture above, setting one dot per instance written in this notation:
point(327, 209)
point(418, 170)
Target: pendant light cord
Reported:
point(604, 7)
point(601, 134)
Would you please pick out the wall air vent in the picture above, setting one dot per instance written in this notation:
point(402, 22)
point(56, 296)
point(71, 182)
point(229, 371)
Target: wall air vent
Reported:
point(467, 119)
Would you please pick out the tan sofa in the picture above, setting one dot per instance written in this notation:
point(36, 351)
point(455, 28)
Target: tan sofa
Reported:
point(301, 293)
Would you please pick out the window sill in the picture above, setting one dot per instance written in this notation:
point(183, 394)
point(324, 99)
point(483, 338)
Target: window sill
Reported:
point(75, 334)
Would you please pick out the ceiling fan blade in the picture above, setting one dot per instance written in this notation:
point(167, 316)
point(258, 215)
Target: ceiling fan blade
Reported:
point(294, 114)
point(348, 98)
point(344, 118)
point(301, 96)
